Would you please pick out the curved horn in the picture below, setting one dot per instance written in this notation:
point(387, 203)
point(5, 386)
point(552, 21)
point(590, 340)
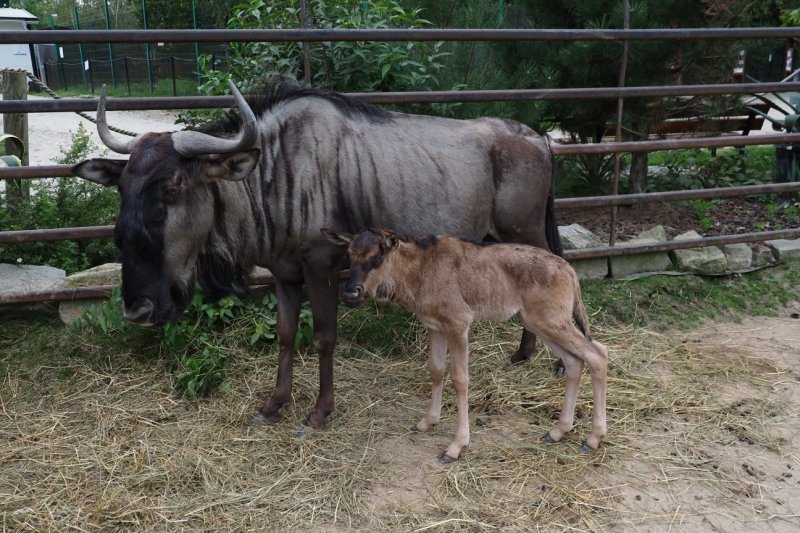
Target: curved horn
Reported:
point(191, 143)
point(109, 139)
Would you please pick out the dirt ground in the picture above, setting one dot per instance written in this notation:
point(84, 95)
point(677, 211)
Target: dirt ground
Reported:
point(719, 483)
point(675, 473)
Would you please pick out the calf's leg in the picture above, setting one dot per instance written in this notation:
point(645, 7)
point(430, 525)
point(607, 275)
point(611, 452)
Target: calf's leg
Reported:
point(459, 374)
point(597, 361)
point(572, 345)
point(290, 297)
point(573, 369)
point(437, 345)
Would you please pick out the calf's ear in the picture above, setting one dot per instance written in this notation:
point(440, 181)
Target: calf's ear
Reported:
point(390, 241)
point(335, 238)
point(106, 172)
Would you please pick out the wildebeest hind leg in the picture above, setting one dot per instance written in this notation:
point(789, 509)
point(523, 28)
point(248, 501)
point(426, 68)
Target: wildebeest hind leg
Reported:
point(526, 347)
point(290, 296)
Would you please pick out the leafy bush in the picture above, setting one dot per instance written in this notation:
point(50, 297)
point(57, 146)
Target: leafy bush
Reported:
point(198, 345)
point(65, 202)
point(700, 169)
point(341, 66)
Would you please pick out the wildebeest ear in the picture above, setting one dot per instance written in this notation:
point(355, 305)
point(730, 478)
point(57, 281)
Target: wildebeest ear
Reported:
point(231, 167)
point(106, 172)
point(338, 239)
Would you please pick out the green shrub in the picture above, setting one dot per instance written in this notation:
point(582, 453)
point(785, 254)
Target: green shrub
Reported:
point(61, 203)
point(340, 66)
point(700, 169)
point(198, 345)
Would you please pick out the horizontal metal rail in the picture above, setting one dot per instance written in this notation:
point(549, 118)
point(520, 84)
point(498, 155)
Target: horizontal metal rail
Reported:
point(670, 196)
point(103, 291)
point(673, 144)
point(59, 171)
point(622, 249)
point(412, 97)
point(430, 34)
point(101, 232)
point(94, 292)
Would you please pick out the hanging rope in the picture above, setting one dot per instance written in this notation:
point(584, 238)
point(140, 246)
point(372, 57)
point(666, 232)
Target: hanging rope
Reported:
point(53, 95)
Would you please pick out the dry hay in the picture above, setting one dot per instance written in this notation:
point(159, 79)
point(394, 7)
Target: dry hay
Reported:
point(112, 449)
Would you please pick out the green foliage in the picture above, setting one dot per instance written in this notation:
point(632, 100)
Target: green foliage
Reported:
point(341, 66)
point(702, 210)
point(682, 302)
point(199, 344)
point(700, 169)
point(68, 202)
point(107, 317)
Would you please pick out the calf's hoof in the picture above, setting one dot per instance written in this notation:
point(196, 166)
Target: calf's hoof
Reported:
point(446, 459)
point(586, 449)
point(260, 419)
point(547, 439)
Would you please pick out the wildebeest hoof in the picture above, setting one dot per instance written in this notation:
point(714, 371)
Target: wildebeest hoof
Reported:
point(446, 459)
point(586, 449)
point(516, 359)
point(260, 419)
point(547, 439)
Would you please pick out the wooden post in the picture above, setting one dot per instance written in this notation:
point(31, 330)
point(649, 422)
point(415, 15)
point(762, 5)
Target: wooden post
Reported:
point(15, 87)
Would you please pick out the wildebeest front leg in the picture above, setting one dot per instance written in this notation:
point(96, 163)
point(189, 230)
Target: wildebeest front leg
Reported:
point(290, 297)
point(459, 374)
point(323, 292)
point(436, 363)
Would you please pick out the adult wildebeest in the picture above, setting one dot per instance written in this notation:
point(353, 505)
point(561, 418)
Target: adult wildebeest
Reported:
point(449, 283)
point(206, 206)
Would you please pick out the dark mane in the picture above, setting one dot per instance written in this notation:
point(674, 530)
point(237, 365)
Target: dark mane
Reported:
point(285, 91)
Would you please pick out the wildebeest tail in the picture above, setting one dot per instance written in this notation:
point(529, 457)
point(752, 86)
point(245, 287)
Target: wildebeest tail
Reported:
point(550, 224)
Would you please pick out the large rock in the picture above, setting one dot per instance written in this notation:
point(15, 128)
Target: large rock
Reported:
point(785, 249)
point(16, 279)
point(107, 274)
point(625, 265)
point(737, 256)
point(762, 255)
point(657, 233)
point(708, 260)
point(576, 237)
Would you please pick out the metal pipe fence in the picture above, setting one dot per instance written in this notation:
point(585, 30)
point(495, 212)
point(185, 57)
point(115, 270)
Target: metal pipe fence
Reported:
point(519, 95)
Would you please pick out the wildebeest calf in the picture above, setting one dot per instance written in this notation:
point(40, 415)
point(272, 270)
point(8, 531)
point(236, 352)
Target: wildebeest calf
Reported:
point(449, 283)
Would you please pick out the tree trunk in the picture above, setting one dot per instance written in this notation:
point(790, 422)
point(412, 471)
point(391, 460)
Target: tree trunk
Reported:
point(15, 87)
point(638, 172)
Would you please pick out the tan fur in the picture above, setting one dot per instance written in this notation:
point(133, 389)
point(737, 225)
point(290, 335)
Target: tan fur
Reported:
point(451, 283)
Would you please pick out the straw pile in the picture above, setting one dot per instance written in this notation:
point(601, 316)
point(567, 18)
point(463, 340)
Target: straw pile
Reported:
point(108, 447)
